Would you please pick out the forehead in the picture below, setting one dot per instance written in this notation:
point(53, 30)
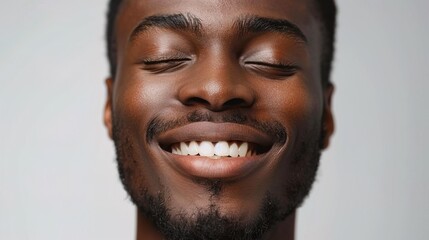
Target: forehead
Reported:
point(276, 7)
point(218, 14)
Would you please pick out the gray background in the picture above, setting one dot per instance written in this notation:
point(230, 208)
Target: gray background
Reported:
point(58, 176)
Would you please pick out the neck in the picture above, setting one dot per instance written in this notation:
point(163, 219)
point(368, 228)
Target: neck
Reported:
point(282, 231)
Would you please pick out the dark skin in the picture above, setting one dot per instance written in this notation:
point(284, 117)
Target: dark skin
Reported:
point(167, 72)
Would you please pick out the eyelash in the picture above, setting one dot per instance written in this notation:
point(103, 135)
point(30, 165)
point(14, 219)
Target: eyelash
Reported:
point(274, 65)
point(163, 65)
point(164, 60)
point(278, 70)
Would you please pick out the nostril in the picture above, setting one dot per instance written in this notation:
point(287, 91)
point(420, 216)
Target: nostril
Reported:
point(196, 101)
point(235, 102)
point(232, 103)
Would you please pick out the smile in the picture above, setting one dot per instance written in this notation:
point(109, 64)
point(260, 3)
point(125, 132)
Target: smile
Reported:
point(215, 150)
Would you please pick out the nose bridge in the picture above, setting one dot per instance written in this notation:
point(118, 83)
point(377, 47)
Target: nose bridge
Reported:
point(217, 83)
point(219, 76)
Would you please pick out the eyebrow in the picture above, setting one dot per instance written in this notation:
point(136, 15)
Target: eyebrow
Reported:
point(246, 24)
point(256, 24)
point(179, 21)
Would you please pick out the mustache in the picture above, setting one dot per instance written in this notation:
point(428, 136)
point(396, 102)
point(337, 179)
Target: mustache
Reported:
point(273, 128)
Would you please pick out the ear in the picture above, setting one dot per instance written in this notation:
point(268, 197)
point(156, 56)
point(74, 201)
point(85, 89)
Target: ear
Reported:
point(108, 107)
point(328, 118)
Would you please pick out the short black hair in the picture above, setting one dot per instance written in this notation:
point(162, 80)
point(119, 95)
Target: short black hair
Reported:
point(326, 11)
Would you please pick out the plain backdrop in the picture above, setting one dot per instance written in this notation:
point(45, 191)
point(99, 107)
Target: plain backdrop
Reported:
point(58, 177)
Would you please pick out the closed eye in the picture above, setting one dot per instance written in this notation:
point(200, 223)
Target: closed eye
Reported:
point(272, 70)
point(164, 65)
point(164, 60)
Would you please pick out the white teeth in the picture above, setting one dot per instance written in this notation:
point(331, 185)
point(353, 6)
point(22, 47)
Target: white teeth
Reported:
point(214, 150)
point(242, 150)
point(174, 151)
point(233, 150)
point(178, 151)
point(193, 148)
point(206, 149)
point(221, 149)
point(184, 148)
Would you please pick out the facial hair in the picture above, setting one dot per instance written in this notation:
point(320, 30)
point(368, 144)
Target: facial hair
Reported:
point(209, 223)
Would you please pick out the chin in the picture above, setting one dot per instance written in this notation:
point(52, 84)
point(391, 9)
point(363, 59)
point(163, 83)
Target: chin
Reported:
point(185, 202)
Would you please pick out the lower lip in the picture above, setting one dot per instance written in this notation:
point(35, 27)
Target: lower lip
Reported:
point(221, 168)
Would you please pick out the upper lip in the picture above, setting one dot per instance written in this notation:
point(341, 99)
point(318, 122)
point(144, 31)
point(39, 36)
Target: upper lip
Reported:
point(214, 132)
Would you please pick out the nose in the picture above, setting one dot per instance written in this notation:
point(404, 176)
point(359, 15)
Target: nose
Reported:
point(217, 87)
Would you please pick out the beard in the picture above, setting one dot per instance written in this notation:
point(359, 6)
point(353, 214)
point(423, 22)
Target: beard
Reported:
point(207, 223)
point(210, 222)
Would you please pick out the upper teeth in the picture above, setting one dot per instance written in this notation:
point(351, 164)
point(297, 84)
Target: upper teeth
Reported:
point(210, 149)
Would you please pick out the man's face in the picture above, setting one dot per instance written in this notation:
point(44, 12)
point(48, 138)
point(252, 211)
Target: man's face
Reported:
point(217, 109)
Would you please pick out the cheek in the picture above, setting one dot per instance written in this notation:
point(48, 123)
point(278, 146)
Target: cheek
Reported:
point(296, 103)
point(139, 98)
